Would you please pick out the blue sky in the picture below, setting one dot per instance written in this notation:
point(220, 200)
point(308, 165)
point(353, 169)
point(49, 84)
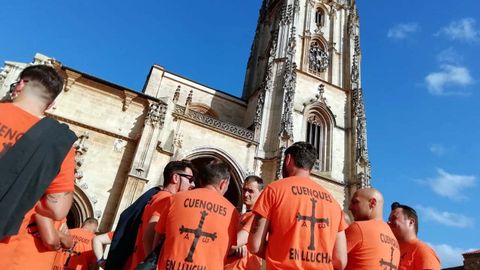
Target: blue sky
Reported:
point(420, 71)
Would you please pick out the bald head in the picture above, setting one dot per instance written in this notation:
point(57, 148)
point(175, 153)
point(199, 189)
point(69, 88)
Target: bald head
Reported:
point(366, 204)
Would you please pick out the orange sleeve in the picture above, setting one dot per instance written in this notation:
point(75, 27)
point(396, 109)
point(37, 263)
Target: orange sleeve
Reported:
point(246, 225)
point(64, 180)
point(234, 226)
point(163, 210)
point(426, 258)
point(110, 235)
point(264, 203)
point(354, 237)
point(343, 224)
point(157, 206)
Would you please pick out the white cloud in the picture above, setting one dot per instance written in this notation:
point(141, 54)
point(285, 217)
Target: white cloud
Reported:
point(449, 56)
point(450, 256)
point(450, 75)
point(446, 218)
point(438, 149)
point(450, 185)
point(463, 29)
point(400, 31)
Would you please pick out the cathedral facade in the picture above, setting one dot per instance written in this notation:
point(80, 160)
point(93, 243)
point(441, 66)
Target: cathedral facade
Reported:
point(302, 83)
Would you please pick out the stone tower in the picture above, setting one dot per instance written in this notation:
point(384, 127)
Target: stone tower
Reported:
point(303, 83)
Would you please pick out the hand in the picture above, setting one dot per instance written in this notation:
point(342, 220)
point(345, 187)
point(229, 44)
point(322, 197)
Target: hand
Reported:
point(240, 251)
point(101, 263)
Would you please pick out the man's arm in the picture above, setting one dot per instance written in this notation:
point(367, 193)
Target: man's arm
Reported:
point(257, 239)
point(48, 233)
point(340, 252)
point(149, 235)
point(240, 249)
point(55, 205)
point(97, 245)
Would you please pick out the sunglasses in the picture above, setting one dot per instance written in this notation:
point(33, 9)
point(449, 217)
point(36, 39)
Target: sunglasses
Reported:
point(190, 178)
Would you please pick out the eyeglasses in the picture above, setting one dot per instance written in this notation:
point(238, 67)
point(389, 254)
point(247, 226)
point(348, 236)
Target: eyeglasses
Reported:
point(190, 178)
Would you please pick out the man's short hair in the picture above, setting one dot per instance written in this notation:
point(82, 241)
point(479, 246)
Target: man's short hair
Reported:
point(213, 172)
point(304, 155)
point(407, 211)
point(47, 77)
point(90, 220)
point(175, 167)
point(254, 178)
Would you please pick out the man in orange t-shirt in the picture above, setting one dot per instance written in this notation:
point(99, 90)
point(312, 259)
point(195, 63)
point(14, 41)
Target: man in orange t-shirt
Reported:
point(35, 244)
point(415, 254)
point(37, 88)
point(80, 256)
point(198, 227)
point(240, 258)
point(304, 223)
point(371, 244)
point(178, 176)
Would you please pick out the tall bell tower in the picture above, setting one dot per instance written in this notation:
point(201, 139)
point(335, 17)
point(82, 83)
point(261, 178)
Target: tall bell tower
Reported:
point(303, 83)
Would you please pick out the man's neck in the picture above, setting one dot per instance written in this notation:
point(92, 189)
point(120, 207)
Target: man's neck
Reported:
point(408, 238)
point(170, 188)
point(32, 107)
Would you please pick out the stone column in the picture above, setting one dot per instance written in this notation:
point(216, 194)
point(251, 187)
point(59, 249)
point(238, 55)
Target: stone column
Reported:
point(138, 175)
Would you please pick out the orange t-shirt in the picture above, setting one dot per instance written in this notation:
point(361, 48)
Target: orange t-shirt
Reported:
point(200, 226)
point(25, 250)
point(17, 251)
point(154, 203)
point(250, 261)
point(371, 245)
point(81, 256)
point(304, 221)
point(14, 122)
point(417, 255)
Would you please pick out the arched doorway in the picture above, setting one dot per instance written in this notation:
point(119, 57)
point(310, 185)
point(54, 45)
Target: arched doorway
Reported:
point(81, 209)
point(203, 156)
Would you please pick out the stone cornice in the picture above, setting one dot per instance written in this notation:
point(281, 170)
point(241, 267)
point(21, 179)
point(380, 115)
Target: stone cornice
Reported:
point(215, 124)
point(89, 127)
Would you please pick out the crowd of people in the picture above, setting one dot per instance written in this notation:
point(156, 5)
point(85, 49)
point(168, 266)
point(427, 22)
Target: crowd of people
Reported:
point(188, 224)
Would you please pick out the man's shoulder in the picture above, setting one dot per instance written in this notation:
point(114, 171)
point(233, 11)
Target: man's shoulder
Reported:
point(423, 248)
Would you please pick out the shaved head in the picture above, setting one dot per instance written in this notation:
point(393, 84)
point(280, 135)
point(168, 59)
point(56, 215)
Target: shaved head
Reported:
point(366, 204)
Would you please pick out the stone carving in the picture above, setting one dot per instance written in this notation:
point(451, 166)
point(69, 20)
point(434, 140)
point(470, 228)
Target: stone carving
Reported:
point(287, 14)
point(289, 83)
point(267, 84)
point(360, 121)
point(119, 145)
point(176, 96)
point(80, 150)
point(188, 102)
point(317, 58)
point(156, 114)
point(178, 140)
point(127, 99)
point(215, 123)
point(280, 159)
point(4, 71)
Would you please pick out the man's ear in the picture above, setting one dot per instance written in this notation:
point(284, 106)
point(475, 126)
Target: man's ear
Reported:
point(175, 179)
point(372, 203)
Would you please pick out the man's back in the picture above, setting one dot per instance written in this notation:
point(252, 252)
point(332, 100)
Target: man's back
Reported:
point(371, 245)
point(80, 256)
point(200, 226)
point(304, 221)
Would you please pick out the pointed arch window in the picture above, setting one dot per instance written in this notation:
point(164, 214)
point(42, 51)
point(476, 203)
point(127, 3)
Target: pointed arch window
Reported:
point(319, 17)
point(319, 134)
point(317, 58)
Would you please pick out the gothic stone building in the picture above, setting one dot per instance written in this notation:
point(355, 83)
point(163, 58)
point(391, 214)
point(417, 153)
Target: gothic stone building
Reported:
point(302, 83)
